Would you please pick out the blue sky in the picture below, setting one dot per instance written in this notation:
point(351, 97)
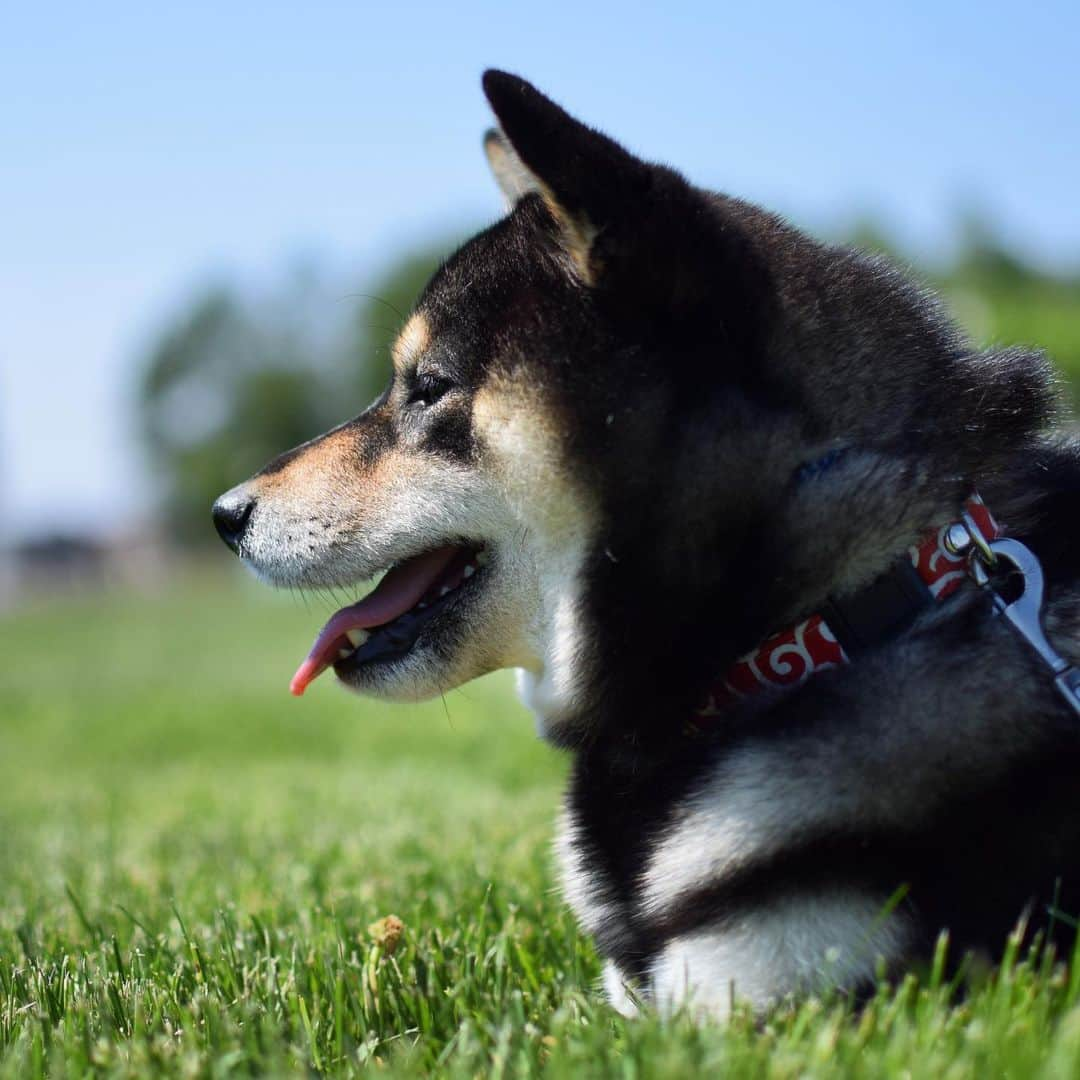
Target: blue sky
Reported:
point(148, 148)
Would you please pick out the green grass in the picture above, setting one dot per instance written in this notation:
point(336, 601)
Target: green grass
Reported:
point(190, 861)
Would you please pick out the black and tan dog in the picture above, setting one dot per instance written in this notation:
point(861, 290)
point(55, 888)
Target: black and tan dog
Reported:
point(637, 429)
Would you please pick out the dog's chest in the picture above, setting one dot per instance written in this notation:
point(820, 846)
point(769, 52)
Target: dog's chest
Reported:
point(601, 905)
point(616, 840)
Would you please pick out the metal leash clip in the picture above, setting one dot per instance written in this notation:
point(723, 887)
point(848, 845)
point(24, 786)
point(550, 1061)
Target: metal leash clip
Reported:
point(1025, 612)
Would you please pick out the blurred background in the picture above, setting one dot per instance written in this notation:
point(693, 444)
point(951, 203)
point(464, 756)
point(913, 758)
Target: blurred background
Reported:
point(216, 216)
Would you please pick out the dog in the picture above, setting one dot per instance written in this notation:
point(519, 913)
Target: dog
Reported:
point(637, 432)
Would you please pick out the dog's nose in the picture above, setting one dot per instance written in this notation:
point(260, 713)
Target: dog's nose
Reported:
point(232, 512)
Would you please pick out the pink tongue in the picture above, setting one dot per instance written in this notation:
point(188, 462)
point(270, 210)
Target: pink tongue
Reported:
point(401, 589)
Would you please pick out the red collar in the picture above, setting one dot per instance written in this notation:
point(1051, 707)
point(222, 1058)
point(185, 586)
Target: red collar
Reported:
point(790, 657)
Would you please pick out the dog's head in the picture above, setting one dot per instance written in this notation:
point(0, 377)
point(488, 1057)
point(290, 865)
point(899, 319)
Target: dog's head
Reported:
point(596, 457)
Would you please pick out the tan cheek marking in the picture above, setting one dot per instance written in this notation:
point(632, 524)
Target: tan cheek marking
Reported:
point(525, 445)
point(381, 491)
point(518, 437)
point(393, 471)
point(414, 338)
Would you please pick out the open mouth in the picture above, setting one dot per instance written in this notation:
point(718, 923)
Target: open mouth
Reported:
point(387, 622)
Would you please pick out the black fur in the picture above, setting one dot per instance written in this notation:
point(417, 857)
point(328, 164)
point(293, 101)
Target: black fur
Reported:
point(739, 348)
point(697, 356)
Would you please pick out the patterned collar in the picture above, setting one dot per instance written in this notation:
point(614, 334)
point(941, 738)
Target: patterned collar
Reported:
point(930, 571)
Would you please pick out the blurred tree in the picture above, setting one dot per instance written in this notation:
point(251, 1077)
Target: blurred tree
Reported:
point(869, 234)
point(232, 382)
point(986, 260)
point(1015, 302)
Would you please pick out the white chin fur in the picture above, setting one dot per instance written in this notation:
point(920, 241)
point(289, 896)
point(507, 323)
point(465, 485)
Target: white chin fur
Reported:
point(552, 693)
point(535, 693)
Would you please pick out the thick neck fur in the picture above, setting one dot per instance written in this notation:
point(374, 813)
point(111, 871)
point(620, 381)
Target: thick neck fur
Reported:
point(729, 541)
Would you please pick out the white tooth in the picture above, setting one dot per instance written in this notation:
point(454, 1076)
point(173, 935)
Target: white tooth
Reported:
point(481, 558)
point(468, 572)
point(444, 590)
point(344, 654)
point(357, 637)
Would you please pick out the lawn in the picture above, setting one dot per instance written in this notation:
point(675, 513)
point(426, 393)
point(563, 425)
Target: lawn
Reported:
point(196, 873)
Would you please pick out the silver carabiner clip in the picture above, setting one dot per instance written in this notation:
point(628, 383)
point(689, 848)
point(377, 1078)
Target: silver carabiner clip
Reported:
point(1025, 612)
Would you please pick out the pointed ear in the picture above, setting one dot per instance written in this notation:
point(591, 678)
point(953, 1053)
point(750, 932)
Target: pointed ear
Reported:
point(514, 180)
point(586, 179)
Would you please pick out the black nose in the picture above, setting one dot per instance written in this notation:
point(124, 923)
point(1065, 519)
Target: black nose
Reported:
point(232, 512)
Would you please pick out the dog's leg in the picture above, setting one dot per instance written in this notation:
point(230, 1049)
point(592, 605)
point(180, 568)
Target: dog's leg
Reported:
point(794, 945)
point(621, 992)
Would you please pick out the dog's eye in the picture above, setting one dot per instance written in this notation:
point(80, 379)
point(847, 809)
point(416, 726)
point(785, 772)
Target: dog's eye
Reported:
point(427, 389)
